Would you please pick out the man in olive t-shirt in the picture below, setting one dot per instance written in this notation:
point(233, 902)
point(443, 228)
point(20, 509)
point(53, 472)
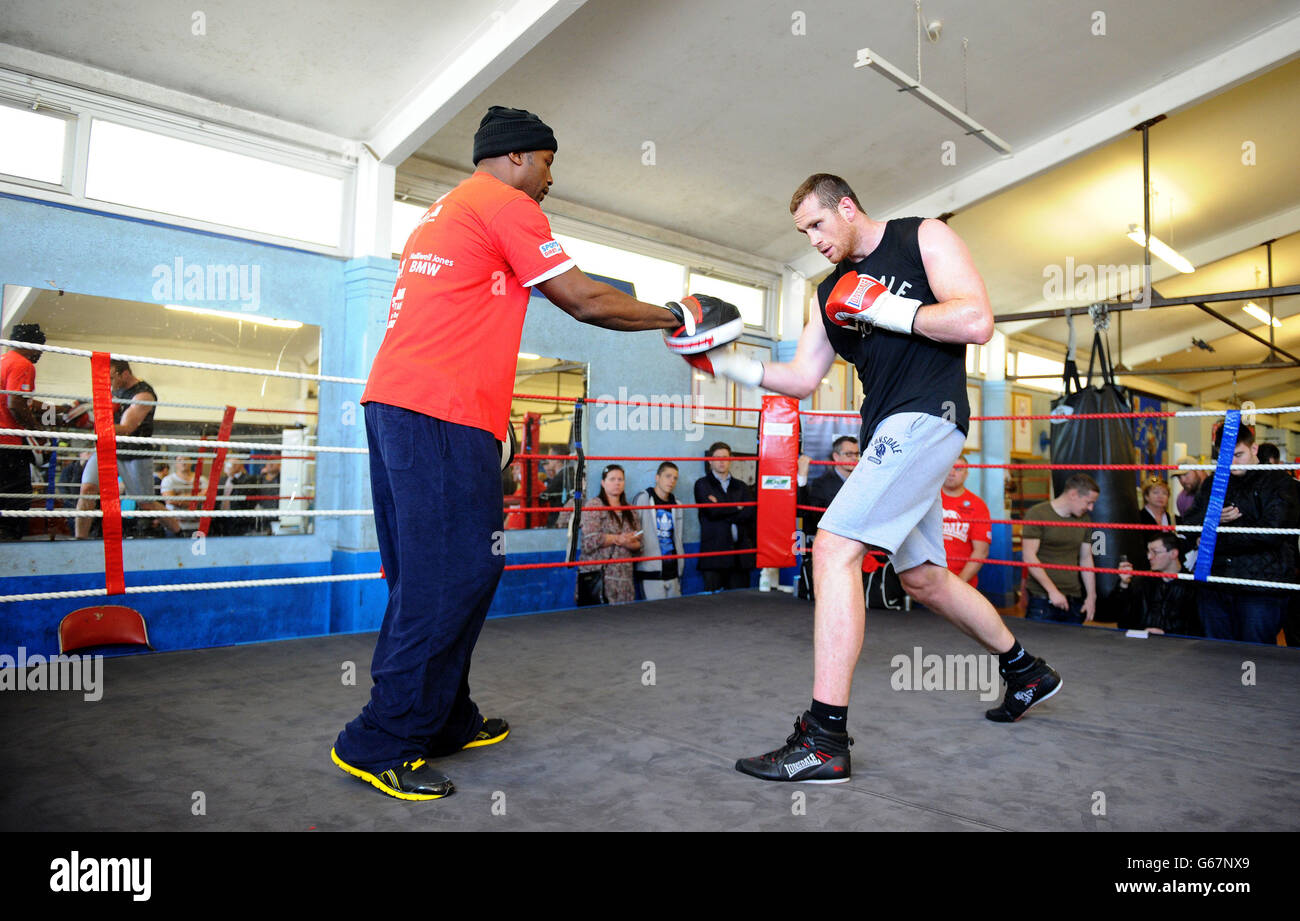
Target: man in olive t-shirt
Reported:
point(1054, 594)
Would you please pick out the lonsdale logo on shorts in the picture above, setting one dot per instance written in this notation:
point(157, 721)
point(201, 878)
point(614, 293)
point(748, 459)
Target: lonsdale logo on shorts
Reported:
point(882, 445)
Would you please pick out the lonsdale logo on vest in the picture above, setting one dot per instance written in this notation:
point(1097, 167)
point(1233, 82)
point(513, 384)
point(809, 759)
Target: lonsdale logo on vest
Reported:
point(103, 874)
point(57, 673)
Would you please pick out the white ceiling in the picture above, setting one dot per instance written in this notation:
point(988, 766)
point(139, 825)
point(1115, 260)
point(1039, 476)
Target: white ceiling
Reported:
point(740, 108)
point(332, 65)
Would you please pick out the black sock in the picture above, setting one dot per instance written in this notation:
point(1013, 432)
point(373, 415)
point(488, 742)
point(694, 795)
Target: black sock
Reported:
point(1015, 659)
point(834, 719)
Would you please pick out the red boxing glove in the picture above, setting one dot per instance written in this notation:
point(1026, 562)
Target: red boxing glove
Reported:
point(859, 301)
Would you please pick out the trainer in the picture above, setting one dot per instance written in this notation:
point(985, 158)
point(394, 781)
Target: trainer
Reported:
point(901, 305)
point(437, 407)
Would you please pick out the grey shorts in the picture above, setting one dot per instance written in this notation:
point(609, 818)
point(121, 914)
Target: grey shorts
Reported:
point(891, 500)
point(136, 474)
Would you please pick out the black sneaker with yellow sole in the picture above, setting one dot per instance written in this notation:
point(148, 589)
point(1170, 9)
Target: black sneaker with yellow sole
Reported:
point(490, 733)
point(413, 780)
point(811, 754)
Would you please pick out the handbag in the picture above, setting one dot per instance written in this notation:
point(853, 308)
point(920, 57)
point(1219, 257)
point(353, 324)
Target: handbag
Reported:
point(591, 587)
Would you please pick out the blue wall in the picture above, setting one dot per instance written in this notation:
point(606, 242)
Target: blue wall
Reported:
point(106, 255)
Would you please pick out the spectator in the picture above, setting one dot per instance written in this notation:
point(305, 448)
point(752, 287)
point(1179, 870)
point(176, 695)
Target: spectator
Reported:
point(17, 372)
point(135, 418)
point(179, 484)
point(967, 533)
point(235, 490)
point(1269, 454)
point(822, 489)
point(661, 529)
point(726, 528)
point(1059, 594)
point(1255, 499)
point(268, 492)
point(561, 481)
point(70, 477)
point(611, 535)
point(1157, 605)
point(1190, 481)
point(1154, 511)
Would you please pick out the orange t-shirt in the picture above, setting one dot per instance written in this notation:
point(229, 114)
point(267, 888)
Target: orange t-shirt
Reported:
point(16, 373)
point(960, 532)
point(457, 312)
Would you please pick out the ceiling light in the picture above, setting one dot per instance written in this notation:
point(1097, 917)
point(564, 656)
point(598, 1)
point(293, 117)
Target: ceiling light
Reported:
point(867, 58)
point(232, 315)
point(1259, 313)
point(529, 355)
point(1161, 249)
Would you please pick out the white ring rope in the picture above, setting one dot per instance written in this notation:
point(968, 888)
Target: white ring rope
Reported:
point(357, 577)
point(192, 586)
point(175, 363)
point(133, 401)
point(230, 455)
point(188, 513)
point(163, 439)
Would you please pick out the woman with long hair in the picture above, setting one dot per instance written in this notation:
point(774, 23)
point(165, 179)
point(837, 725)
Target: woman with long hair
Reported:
point(611, 535)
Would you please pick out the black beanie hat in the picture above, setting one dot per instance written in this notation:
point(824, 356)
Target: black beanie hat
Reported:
point(504, 131)
point(28, 332)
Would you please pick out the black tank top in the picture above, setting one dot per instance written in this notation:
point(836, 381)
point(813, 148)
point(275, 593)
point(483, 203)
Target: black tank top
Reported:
point(146, 427)
point(900, 373)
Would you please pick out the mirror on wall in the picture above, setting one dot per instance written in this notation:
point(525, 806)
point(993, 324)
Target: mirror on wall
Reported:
point(191, 404)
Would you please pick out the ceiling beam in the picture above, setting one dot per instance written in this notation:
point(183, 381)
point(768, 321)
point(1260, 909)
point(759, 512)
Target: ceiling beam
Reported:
point(1230, 67)
point(487, 53)
point(1258, 381)
point(1229, 243)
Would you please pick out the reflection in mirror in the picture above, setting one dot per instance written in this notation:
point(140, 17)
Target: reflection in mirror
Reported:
point(167, 402)
point(542, 426)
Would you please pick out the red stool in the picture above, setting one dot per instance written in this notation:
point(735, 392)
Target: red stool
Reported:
point(103, 625)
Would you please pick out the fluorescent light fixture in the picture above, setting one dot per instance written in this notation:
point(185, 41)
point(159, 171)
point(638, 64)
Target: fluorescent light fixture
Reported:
point(234, 315)
point(1161, 249)
point(529, 355)
point(1259, 313)
point(867, 58)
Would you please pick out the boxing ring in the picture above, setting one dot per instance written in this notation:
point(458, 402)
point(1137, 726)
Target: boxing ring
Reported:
point(631, 717)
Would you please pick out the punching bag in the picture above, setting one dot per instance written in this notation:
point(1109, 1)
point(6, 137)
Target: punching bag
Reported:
point(1100, 441)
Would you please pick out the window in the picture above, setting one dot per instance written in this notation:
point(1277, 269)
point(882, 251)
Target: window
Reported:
point(1027, 364)
point(751, 301)
point(32, 145)
point(656, 281)
point(155, 172)
point(405, 217)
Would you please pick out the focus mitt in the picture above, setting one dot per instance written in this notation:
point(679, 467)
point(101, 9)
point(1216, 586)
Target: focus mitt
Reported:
point(706, 323)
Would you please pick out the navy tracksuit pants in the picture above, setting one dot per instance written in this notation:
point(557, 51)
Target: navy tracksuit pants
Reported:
point(438, 513)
